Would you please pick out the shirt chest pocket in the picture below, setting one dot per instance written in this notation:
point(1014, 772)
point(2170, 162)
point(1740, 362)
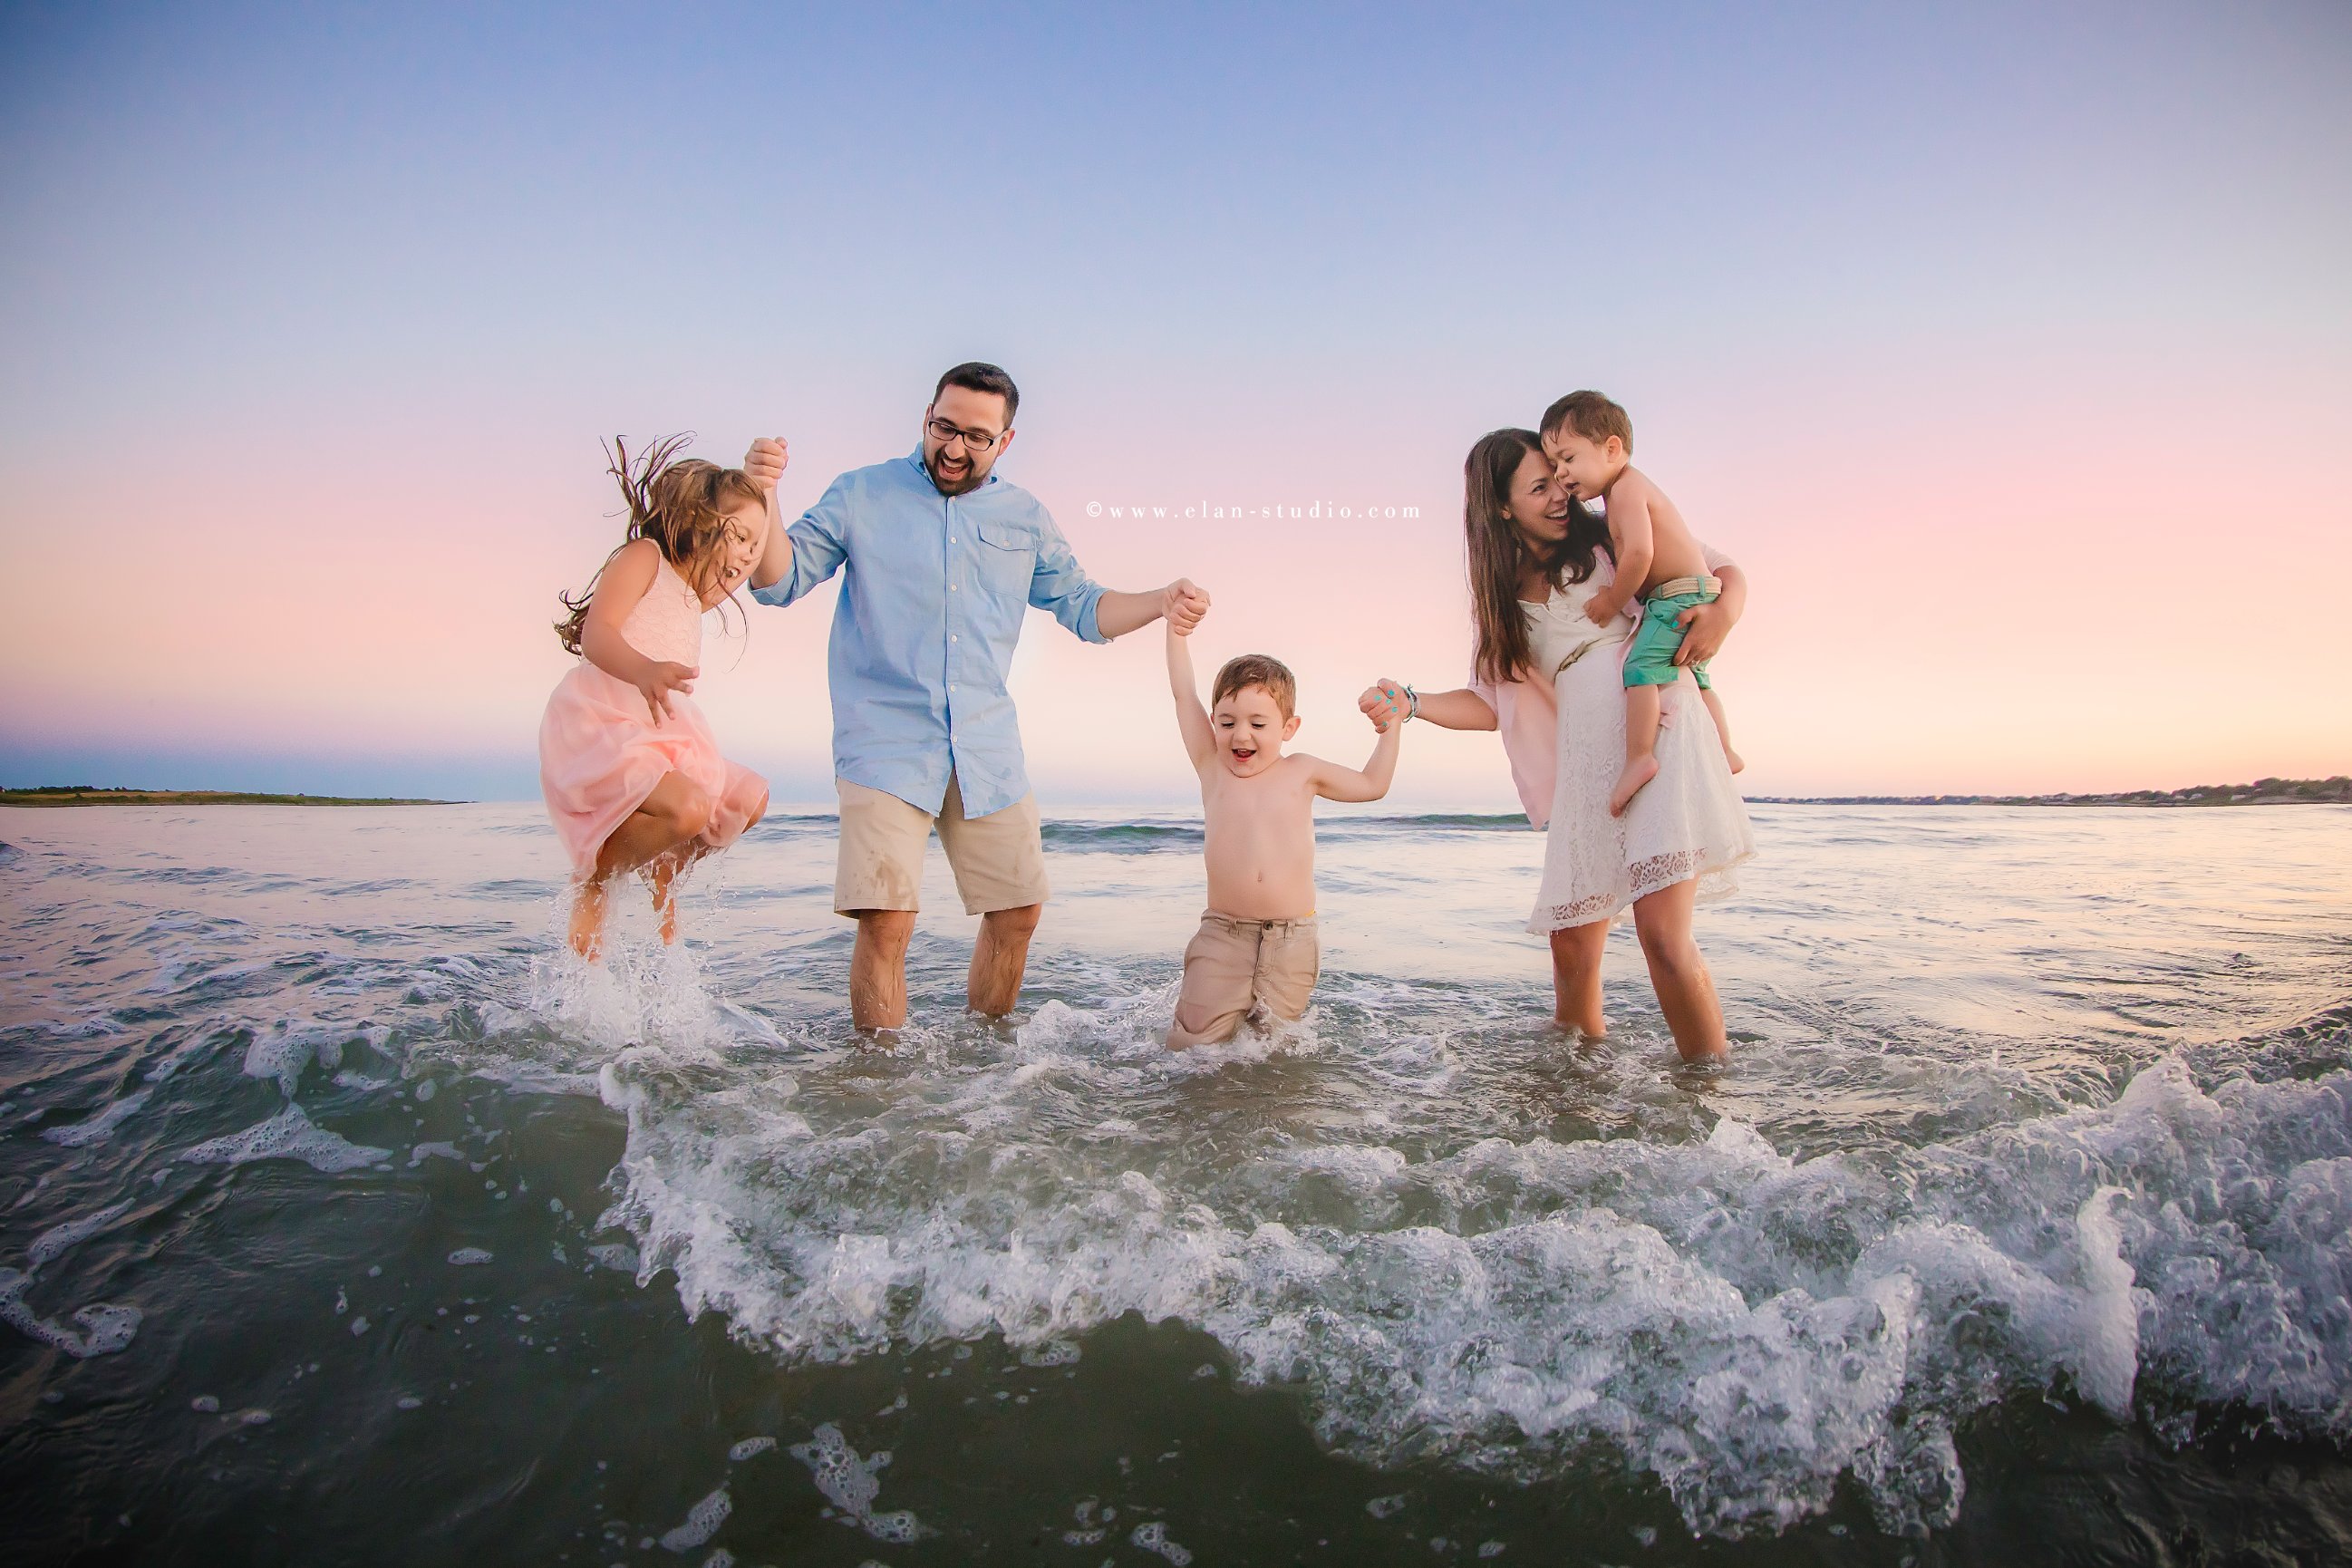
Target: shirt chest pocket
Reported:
point(1006, 559)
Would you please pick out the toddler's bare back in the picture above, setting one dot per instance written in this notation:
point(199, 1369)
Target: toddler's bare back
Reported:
point(1674, 549)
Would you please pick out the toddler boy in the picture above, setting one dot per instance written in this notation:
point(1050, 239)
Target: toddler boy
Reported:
point(1256, 945)
point(1590, 441)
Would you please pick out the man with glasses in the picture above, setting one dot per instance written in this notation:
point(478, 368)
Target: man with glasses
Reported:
point(940, 560)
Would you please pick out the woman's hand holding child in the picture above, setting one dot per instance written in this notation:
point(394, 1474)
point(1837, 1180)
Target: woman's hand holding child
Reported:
point(1384, 703)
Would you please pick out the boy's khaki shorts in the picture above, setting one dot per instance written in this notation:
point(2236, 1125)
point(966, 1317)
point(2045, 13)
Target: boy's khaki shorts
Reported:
point(1233, 965)
point(999, 859)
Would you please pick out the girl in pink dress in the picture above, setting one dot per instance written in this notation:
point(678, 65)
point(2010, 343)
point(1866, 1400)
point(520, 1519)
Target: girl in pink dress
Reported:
point(632, 777)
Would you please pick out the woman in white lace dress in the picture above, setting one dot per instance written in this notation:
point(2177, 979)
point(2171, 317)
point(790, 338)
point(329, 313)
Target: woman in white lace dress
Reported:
point(1546, 678)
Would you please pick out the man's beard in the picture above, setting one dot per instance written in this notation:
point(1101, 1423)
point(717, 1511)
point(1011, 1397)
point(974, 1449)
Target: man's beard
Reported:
point(946, 487)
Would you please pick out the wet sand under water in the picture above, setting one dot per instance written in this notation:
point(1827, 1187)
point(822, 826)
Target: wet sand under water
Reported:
point(345, 1220)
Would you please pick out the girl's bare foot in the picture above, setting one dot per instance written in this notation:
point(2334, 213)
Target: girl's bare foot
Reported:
point(588, 921)
point(1639, 771)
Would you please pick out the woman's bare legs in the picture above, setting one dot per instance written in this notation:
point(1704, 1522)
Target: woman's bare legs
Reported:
point(673, 815)
point(1685, 990)
point(1576, 978)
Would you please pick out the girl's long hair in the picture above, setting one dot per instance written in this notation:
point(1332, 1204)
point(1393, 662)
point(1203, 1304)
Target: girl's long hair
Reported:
point(681, 506)
point(1500, 555)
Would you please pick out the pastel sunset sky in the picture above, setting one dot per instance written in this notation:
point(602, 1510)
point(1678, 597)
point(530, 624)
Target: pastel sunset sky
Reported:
point(2002, 345)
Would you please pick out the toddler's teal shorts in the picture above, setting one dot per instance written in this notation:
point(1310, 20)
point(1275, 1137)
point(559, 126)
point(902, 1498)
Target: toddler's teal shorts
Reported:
point(1649, 657)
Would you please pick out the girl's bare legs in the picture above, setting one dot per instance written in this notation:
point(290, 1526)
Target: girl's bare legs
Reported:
point(1576, 978)
point(588, 919)
point(664, 870)
point(673, 815)
point(662, 873)
point(1641, 747)
point(1722, 727)
point(1685, 990)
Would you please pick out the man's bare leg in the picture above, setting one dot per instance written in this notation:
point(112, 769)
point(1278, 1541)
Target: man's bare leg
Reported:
point(877, 969)
point(1000, 958)
point(1641, 747)
point(1722, 727)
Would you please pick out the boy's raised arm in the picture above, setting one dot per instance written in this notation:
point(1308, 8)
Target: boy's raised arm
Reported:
point(1192, 718)
point(1333, 782)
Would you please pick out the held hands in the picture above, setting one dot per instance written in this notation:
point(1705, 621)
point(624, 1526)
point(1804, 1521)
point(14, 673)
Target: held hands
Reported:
point(1183, 603)
point(660, 678)
point(1384, 703)
point(766, 460)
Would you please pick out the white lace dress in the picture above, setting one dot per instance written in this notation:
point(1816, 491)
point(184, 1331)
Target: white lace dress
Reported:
point(1688, 822)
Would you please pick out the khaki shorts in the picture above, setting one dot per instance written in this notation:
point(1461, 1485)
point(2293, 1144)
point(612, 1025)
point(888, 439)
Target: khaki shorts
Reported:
point(999, 859)
point(1232, 966)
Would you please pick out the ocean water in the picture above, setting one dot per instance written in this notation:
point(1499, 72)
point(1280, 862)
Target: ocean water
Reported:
point(343, 1218)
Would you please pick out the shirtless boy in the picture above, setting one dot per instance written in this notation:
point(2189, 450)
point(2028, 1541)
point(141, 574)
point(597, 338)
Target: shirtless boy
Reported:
point(1256, 945)
point(1590, 441)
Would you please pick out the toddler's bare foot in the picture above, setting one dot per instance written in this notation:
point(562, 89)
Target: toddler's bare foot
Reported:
point(1738, 763)
point(588, 921)
point(1638, 772)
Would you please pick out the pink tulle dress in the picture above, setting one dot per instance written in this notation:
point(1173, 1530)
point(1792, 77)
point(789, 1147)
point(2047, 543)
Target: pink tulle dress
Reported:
point(600, 754)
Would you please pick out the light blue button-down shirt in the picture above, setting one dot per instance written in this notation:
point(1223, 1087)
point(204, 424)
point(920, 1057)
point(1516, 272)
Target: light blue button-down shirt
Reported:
point(933, 591)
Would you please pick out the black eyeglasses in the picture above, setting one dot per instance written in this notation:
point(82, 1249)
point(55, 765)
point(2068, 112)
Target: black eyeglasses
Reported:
point(973, 440)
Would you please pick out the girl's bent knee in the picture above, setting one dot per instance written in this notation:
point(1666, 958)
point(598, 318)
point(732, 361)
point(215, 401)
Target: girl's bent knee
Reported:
point(689, 813)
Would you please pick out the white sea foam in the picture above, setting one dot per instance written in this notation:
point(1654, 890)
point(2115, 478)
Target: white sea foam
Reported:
point(97, 1129)
point(702, 1521)
point(289, 1135)
point(54, 1241)
point(851, 1484)
point(1799, 1323)
point(286, 1049)
point(105, 1326)
point(1153, 1537)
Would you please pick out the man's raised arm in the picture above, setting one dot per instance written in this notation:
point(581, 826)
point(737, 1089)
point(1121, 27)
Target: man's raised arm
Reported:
point(1183, 603)
point(1099, 613)
point(793, 560)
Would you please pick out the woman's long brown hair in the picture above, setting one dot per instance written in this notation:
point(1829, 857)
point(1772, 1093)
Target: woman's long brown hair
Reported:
point(681, 506)
point(1500, 555)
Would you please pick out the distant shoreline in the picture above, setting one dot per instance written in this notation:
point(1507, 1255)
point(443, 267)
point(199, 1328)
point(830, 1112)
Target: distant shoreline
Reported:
point(79, 795)
point(2333, 791)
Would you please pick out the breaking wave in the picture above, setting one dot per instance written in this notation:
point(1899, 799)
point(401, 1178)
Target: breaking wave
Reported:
point(1751, 1327)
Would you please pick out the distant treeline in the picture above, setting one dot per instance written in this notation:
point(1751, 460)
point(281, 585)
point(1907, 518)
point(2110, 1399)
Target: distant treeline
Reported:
point(2262, 792)
point(92, 794)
